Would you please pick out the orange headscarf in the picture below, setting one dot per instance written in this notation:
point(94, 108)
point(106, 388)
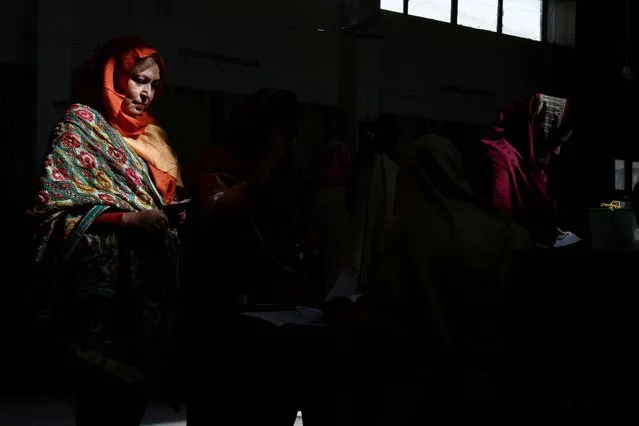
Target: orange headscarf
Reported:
point(116, 61)
point(113, 65)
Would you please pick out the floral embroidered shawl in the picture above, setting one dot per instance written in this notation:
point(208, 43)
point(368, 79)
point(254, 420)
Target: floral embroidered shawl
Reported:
point(114, 296)
point(90, 169)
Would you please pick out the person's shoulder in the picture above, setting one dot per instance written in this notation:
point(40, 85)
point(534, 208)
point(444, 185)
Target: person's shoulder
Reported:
point(500, 153)
point(81, 114)
point(155, 130)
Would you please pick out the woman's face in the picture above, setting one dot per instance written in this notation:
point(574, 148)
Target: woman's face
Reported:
point(141, 86)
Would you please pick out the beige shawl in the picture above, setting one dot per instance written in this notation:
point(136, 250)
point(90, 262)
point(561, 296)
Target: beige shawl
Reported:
point(445, 261)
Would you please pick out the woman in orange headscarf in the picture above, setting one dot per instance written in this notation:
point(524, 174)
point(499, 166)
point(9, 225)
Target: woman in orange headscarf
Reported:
point(103, 245)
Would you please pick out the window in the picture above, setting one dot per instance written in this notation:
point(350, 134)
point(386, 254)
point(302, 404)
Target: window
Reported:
point(626, 175)
point(620, 175)
point(520, 18)
point(481, 14)
point(393, 5)
point(438, 10)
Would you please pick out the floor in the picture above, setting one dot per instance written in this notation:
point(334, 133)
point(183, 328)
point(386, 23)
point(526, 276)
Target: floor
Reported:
point(59, 412)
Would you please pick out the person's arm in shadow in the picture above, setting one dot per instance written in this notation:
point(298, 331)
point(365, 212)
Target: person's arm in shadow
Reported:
point(222, 195)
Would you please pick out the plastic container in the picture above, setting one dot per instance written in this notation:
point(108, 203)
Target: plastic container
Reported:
point(613, 230)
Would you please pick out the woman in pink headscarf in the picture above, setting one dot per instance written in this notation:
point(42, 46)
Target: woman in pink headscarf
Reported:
point(520, 148)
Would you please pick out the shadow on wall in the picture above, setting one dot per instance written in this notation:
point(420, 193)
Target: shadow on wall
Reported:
point(195, 118)
point(16, 113)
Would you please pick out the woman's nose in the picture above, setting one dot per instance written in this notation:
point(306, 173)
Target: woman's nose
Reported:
point(147, 93)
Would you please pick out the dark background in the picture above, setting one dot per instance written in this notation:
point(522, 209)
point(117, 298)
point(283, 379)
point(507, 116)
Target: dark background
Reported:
point(406, 65)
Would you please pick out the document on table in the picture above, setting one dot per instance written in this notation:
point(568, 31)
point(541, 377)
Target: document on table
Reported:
point(345, 286)
point(302, 315)
point(566, 239)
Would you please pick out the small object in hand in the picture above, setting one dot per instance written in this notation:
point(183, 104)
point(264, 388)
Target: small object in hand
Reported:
point(176, 212)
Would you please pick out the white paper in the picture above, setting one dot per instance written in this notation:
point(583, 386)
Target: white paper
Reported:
point(302, 315)
point(345, 286)
point(566, 239)
point(355, 296)
point(185, 201)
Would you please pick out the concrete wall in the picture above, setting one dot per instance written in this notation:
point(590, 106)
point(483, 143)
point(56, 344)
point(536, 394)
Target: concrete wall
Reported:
point(13, 31)
point(410, 63)
point(455, 73)
point(410, 66)
point(288, 49)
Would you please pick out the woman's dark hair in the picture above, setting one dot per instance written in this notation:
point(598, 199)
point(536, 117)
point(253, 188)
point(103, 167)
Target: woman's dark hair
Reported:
point(275, 108)
point(250, 123)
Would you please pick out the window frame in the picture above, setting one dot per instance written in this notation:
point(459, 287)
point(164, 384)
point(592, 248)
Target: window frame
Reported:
point(454, 12)
point(629, 187)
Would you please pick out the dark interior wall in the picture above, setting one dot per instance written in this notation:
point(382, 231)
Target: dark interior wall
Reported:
point(194, 118)
point(606, 105)
point(17, 124)
point(16, 116)
point(17, 127)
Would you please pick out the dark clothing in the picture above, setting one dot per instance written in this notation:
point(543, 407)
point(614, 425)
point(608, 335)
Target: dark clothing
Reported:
point(252, 236)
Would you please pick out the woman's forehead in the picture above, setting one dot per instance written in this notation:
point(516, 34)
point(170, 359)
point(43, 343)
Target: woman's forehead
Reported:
point(146, 64)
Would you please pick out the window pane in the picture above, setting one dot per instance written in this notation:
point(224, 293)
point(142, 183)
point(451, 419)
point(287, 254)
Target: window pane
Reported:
point(480, 14)
point(620, 175)
point(635, 174)
point(522, 18)
point(393, 5)
point(438, 10)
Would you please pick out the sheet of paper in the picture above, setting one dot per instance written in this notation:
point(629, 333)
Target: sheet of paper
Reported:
point(566, 239)
point(345, 286)
point(302, 315)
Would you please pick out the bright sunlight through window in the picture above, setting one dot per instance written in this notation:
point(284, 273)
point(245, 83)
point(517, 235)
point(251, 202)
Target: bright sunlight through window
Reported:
point(393, 5)
point(438, 10)
point(481, 14)
point(522, 18)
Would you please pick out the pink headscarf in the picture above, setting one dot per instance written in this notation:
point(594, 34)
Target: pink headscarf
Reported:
point(525, 137)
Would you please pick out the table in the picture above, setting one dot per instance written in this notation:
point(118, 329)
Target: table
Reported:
point(573, 326)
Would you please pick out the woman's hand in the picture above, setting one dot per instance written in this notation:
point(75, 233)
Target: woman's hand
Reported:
point(152, 222)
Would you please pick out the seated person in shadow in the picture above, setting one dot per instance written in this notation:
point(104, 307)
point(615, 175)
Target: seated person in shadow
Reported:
point(331, 206)
point(431, 326)
point(252, 204)
point(370, 195)
point(518, 153)
point(251, 221)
